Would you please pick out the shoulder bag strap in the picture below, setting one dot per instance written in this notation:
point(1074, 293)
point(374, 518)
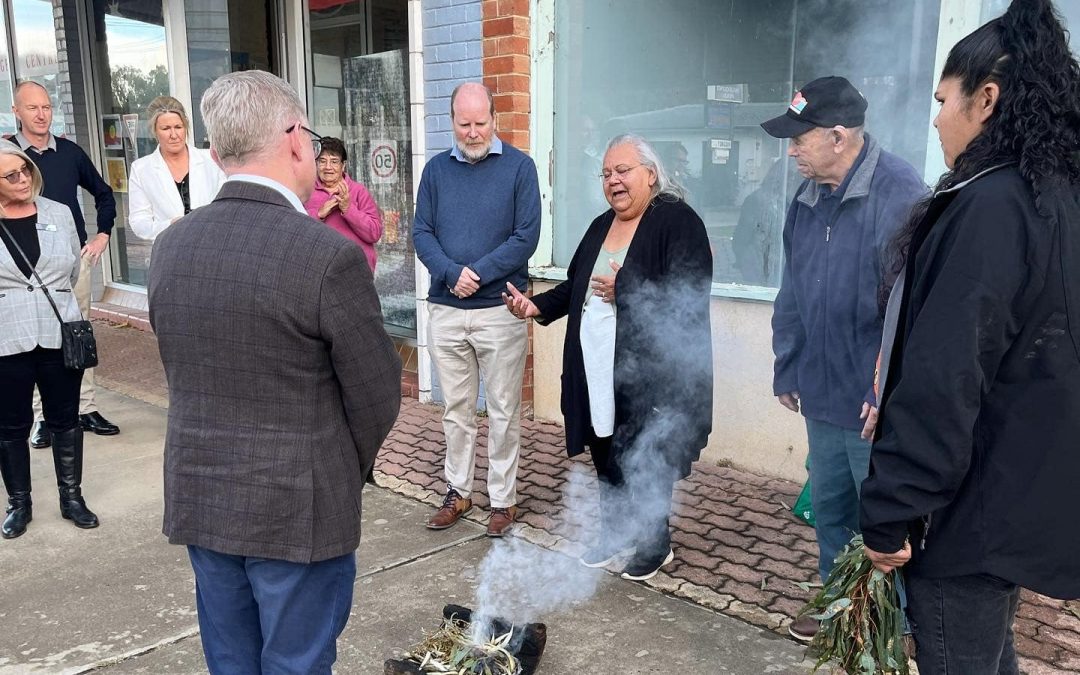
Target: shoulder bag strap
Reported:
point(48, 296)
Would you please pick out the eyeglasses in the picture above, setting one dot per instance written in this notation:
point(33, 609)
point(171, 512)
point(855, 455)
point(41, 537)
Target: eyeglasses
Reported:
point(620, 171)
point(316, 139)
point(328, 161)
point(16, 176)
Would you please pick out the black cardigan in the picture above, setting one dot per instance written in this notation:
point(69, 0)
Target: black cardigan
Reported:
point(977, 456)
point(663, 342)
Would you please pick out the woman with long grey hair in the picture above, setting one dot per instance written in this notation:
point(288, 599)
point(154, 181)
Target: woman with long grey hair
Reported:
point(637, 361)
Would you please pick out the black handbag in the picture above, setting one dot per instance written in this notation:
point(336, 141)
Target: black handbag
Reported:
point(76, 337)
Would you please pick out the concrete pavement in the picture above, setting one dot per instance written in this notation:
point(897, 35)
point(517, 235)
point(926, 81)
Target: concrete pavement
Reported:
point(738, 550)
point(119, 599)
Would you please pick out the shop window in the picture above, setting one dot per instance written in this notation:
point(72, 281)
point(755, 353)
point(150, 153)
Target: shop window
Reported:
point(697, 82)
point(34, 44)
point(131, 69)
point(225, 37)
point(360, 94)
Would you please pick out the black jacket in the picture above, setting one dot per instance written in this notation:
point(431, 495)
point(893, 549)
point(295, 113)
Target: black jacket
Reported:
point(663, 347)
point(977, 456)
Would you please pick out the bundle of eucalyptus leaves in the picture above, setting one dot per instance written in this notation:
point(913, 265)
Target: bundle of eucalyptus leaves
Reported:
point(862, 623)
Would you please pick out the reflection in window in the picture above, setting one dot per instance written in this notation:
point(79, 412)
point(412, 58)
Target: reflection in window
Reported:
point(225, 37)
point(360, 94)
point(7, 118)
point(35, 55)
point(132, 66)
point(700, 93)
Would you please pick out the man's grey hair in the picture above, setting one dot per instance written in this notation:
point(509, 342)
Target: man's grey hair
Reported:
point(36, 182)
point(247, 112)
point(647, 155)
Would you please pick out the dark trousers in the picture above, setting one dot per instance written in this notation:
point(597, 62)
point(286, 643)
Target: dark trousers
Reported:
point(271, 617)
point(635, 500)
point(59, 389)
point(963, 625)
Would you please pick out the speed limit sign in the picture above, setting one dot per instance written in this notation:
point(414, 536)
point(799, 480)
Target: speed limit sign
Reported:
point(383, 162)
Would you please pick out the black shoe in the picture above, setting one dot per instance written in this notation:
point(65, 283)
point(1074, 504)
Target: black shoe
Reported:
point(41, 438)
point(99, 425)
point(646, 567)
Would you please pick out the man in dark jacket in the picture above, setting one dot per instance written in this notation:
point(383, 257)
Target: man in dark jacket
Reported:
point(282, 386)
point(826, 320)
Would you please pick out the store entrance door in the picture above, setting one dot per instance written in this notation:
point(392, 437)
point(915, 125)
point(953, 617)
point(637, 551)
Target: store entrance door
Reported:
point(360, 94)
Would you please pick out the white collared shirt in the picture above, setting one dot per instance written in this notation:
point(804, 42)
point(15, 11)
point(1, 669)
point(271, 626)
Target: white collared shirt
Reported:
point(272, 184)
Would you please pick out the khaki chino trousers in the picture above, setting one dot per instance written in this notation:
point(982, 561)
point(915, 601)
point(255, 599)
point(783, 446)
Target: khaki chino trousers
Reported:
point(465, 346)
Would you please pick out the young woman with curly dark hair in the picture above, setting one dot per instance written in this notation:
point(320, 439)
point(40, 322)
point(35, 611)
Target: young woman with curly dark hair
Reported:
point(975, 464)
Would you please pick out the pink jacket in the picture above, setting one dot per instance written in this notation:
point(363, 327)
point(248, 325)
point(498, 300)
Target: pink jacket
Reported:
point(361, 222)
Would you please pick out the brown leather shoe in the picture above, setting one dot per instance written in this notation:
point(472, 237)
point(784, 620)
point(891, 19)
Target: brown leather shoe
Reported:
point(804, 628)
point(501, 520)
point(452, 509)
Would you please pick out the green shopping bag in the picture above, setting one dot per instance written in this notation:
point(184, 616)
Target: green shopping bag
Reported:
point(803, 509)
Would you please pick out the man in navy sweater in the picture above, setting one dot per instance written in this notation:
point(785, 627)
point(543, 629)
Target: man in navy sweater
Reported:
point(65, 168)
point(477, 223)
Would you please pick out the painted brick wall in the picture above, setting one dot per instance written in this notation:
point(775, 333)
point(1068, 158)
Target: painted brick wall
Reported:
point(452, 55)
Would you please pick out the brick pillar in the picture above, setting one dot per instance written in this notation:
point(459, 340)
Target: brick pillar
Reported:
point(507, 67)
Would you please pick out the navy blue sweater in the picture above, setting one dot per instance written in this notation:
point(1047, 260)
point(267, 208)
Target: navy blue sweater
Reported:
point(484, 216)
point(64, 171)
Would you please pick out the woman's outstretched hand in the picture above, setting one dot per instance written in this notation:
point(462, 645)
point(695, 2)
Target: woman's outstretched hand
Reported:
point(519, 305)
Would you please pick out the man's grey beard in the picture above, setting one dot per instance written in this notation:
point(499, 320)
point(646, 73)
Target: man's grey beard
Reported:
point(474, 155)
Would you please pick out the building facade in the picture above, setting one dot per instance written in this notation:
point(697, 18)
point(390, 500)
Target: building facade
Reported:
point(696, 77)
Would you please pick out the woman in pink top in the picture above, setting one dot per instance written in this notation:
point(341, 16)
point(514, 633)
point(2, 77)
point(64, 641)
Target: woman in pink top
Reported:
point(342, 203)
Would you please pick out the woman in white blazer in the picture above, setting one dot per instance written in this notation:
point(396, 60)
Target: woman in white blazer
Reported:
point(39, 260)
point(175, 178)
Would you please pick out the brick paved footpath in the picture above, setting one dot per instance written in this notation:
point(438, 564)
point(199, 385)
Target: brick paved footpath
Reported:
point(738, 550)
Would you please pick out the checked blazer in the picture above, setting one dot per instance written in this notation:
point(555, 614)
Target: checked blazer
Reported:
point(27, 320)
point(283, 383)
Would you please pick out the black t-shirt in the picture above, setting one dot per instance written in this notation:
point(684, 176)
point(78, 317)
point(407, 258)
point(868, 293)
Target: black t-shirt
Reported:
point(24, 230)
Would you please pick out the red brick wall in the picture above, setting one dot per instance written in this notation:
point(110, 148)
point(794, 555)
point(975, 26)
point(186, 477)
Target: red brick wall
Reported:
point(507, 64)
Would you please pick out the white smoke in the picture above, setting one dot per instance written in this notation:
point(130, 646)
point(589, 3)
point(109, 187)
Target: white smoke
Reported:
point(520, 582)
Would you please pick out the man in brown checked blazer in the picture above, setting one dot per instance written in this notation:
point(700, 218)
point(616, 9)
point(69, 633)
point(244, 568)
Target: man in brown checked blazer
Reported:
point(282, 386)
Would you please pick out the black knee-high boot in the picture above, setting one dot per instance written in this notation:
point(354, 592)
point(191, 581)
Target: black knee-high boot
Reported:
point(15, 468)
point(68, 459)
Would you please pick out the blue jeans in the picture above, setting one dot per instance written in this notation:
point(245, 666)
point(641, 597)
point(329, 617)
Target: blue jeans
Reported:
point(963, 625)
point(839, 462)
point(260, 616)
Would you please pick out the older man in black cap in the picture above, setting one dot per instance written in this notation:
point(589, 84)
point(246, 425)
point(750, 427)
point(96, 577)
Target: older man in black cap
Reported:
point(826, 320)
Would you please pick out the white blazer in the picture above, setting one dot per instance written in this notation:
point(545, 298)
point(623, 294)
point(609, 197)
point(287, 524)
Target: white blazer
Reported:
point(154, 201)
